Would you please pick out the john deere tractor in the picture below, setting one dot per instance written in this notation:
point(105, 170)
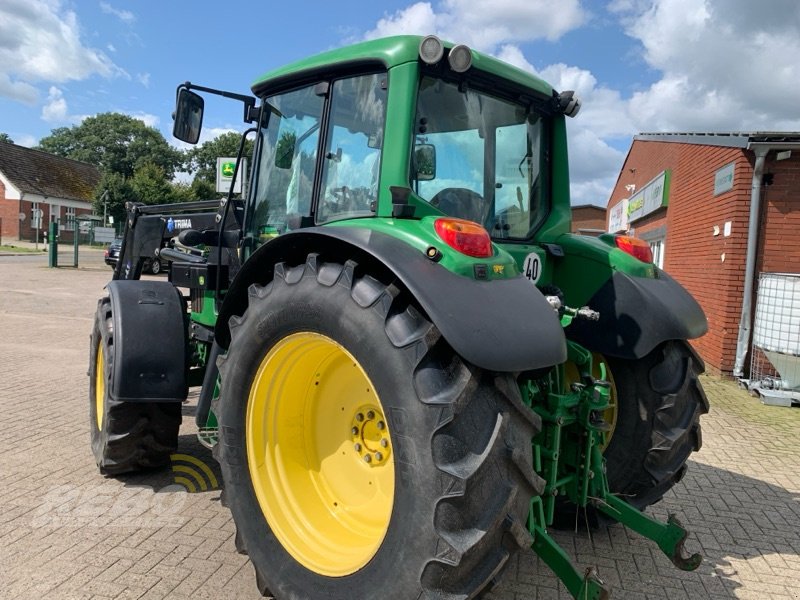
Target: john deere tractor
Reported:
point(408, 368)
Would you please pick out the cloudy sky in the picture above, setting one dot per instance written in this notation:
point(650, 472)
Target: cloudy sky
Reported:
point(638, 65)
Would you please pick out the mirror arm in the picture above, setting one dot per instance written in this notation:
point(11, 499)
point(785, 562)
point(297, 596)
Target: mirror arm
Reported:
point(249, 101)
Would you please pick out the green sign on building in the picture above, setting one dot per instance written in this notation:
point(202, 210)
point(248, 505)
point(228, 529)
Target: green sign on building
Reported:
point(650, 198)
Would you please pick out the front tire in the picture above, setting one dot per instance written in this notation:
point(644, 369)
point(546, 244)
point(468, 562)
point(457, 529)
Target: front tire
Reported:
point(323, 356)
point(660, 401)
point(125, 436)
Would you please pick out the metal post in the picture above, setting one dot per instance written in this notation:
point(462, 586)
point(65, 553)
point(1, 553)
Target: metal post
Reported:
point(53, 254)
point(743, 340)
point(75, 235)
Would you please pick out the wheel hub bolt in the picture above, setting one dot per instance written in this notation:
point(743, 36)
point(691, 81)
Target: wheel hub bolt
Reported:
point(354, 431)
point(358, 447)
point(378, 456)
point(359, 417)
point(384, 442)
point(367, 458)
point(371, 415)
point(381, 425)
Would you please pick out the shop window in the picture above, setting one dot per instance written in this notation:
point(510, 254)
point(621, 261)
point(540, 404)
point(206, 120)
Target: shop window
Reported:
point(657, 247)
point(69, 218)
point(36, 216)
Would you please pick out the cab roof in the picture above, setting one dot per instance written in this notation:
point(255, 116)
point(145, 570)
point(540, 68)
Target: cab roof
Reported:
point(388, 52)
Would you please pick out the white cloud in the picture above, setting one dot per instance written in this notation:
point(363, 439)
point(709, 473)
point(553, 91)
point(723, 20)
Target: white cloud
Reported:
point(55, 109)
point(125, 16)
point(146, 118)
point(418, 18)
point(40, 41)
point(17, 90)
point(726, 64)
point(513, 20)
point(593, 165)
point(512, 54)
point(110, 47)
point(144, 79)
point(484, 28)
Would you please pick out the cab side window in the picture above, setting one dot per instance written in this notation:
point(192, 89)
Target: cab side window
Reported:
point(351, 161)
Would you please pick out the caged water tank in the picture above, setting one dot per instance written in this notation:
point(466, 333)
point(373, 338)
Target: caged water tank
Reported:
point(776, 331)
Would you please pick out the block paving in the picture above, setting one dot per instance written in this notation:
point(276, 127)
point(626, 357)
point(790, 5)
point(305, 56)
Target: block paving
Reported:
point(68, 533)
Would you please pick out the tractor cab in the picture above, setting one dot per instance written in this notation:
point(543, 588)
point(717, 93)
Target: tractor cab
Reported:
point(468, 137)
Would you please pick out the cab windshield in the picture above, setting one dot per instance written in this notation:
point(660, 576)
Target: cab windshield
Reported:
point(485, 158)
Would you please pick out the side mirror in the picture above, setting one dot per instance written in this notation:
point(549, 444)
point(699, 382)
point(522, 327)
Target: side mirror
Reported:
point(424, 162)
point(188, 116)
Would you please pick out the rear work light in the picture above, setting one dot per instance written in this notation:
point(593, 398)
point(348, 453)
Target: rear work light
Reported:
point(635, 247)
point(465, 236)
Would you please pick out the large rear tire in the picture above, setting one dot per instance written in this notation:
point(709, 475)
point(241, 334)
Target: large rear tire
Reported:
point(362, 457)
point(126, 436)
point(659, 404)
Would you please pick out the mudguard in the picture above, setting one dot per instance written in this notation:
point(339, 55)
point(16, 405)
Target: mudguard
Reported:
point(150, 361)
point(637, 314)
point(501, 325)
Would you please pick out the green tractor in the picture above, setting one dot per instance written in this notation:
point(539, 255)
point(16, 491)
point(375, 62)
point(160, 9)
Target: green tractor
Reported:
point(408, 368)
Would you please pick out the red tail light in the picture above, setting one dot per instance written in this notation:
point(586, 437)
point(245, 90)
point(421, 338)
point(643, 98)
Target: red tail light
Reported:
point(465, 236)
point(635, 247)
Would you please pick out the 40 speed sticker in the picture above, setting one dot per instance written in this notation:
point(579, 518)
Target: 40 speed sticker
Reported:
point(532, 267)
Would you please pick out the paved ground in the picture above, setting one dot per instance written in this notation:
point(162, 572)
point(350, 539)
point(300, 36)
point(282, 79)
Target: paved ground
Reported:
point(66, 532)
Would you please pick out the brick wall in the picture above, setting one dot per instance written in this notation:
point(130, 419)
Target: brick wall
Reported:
point(26, 229)
point(588, 218)
point(9, 213)
point(779, 244)
point(708, 263)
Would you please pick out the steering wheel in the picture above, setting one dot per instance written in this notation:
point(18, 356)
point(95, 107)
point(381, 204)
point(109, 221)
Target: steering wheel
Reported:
point(462, 203)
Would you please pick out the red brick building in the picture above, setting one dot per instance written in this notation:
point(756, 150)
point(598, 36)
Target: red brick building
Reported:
point(588, 219)
point(33, 181)
point(717, 210)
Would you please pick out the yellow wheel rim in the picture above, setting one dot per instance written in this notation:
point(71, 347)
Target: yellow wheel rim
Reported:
point(320, 454)
point(610, 414)
point(99, 385)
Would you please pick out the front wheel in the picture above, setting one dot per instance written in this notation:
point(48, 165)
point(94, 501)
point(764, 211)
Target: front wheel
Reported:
point(126, 436)
point(362, 457)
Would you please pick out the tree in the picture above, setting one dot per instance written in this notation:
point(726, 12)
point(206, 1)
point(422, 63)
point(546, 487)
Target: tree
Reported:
point(110, 196)
point(150, 186)
point(202, 160)
point(4, 137)
point(200, 189)
point(115, 143)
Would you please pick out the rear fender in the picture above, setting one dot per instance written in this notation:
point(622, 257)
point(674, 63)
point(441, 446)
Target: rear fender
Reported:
point(500, 325)
point(637, 314)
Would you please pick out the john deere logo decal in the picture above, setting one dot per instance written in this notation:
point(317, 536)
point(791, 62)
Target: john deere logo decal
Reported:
point(227, 169)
